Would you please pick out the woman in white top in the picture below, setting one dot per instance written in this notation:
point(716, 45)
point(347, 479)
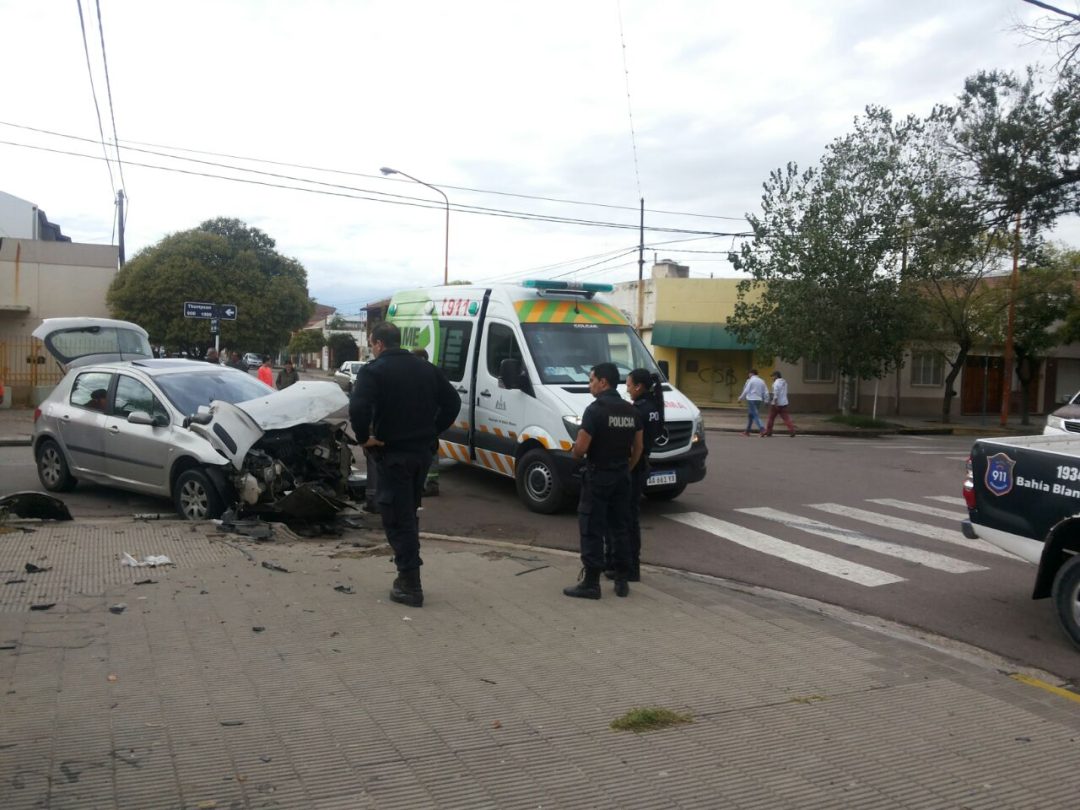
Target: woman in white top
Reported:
point(779, 405)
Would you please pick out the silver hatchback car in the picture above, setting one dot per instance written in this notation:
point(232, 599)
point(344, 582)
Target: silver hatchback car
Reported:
point(205, 435)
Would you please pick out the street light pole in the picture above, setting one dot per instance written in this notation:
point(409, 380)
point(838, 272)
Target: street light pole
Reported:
point(446, 248)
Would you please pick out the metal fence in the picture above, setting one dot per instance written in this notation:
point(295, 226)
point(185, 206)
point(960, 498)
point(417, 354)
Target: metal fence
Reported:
point(24, 362)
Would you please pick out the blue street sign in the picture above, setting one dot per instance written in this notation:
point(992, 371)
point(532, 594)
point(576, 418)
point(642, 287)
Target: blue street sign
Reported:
point(213, 326)
point(227, 312)
point(198, 309)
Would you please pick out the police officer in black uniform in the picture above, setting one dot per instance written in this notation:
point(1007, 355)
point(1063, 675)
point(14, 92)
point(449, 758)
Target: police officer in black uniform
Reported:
point(610, 441)
point(400, 404)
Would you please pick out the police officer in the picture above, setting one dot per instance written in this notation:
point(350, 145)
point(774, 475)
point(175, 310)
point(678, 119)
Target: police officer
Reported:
point(647, 393)
point(610, 441)
point(399, 406)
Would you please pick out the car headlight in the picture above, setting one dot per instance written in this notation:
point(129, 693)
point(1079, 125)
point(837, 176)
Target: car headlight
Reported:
point(699, 430)
point(572, 424)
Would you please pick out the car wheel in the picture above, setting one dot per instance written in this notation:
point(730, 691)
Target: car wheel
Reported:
point(1066, 595)
point(52, 467)
point(539, 484)
point(195, 496)
point(665, 494)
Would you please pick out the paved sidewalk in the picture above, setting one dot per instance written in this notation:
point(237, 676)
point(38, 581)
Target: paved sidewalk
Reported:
point(227, 684)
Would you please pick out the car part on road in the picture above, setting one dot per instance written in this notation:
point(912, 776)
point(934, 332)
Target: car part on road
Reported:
point(34, 506)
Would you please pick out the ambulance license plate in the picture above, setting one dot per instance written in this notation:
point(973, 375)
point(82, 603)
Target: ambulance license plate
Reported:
point(659, 479)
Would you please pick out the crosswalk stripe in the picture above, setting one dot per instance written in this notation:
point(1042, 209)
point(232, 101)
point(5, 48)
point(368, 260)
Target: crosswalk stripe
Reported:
point(949, 499)
point(911, 527)
point(918, 507)
point(853, 538)
point(825, 563)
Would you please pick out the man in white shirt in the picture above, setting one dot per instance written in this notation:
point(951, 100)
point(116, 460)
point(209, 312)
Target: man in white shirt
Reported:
point(779, 405)
point(754, 392)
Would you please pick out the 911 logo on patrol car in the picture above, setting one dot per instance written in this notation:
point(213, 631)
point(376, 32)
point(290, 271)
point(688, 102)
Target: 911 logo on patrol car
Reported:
point(999, 474)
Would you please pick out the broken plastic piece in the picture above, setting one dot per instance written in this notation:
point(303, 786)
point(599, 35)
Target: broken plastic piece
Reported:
point(34, 505)
point(273, 566)
point(151, 561)
point(118, 608)
point(37, 569)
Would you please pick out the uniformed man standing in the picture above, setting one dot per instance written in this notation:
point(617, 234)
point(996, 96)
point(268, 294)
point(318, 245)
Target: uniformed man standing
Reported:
point(610, 441)
point(399, 406)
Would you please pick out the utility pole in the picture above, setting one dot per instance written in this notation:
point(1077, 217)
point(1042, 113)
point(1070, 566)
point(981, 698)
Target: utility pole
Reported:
point(1007, 372)
point(120, 222)
point(641, 271)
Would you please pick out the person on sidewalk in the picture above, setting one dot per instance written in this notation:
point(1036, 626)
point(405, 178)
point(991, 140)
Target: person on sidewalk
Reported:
point(646, 391)
point(431, 483)
point(234, 361)
point(266, 372)
point(399, 406)
point(754, 392)
point(610, 440)
point(779, 406)
point(287, 376)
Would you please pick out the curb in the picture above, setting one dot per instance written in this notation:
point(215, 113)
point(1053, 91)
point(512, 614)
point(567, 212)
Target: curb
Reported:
point(15, 441)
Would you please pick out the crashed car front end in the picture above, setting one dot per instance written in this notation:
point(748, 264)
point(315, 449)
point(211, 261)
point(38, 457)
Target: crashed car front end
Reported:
point(288, 453)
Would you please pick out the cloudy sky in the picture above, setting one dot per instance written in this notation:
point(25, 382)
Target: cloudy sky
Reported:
point(282, 113)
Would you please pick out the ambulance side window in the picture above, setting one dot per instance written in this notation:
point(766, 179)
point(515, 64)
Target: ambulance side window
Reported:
point(501, 345)
point(454, 348)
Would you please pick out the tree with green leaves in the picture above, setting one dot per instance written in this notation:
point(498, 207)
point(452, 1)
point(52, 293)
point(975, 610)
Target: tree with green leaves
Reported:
point(307, 341)
point(342, 347)
point(825, 259)
point(223, 261)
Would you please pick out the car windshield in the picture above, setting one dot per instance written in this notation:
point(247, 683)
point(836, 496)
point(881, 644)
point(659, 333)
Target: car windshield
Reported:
point(565, 352)
point(70, 344)
point(188, 390)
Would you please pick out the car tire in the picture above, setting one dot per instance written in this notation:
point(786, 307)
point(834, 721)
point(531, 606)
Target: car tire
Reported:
point(196, 497)
point(52, 467)
point(665, 494)
point(1066, 595)
point(539, 484)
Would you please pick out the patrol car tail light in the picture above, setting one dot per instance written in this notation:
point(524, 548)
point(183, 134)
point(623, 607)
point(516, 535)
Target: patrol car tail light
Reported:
point(969, 486)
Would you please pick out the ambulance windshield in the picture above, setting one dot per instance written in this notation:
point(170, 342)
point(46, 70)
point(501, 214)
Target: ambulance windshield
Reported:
point(565, 352)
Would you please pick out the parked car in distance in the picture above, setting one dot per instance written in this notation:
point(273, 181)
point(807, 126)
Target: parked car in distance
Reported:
point(346, 375)
point(209, 437)
point(252, 360)
point(1065, 419)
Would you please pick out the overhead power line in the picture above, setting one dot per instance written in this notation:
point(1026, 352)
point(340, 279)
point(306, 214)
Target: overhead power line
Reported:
point(93, 92)
point(112, 109)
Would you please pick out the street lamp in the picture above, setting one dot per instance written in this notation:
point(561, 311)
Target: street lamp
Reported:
point(446, 250)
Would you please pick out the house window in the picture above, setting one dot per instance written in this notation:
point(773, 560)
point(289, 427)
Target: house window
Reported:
point(927, 369)
point(821, 370)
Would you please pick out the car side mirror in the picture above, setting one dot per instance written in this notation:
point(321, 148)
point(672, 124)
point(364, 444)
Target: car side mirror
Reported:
point(161, 420)
point(511, 374)
point(663, 364)
point(140, 418)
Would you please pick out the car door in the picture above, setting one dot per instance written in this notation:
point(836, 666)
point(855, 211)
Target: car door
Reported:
point(498, 409)
point(80, 424)
point(138, 456)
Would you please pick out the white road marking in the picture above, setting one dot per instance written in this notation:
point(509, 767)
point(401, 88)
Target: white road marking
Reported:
point(952, 500)
point(918, 507)
point(854, 538)
point(911, 527)
point(932, 452)
point(756, 541)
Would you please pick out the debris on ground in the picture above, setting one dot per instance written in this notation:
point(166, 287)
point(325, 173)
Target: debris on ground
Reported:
point(257, 628)
point(273, 566)
point(254, 528)
point(344, 589)
point(43, 606)
point(37, 569)
point(146, 516)
point(14, 581)
point(118, 608)
point(33, 505)
point(151, 561)
point(146, 582)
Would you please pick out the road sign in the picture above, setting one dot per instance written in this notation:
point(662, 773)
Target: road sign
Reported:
point(227, 312)
point(198, 309)
point(214, 326)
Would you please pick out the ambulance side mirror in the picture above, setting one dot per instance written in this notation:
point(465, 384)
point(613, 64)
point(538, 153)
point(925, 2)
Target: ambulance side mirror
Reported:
point(664, 369)
point(512, 375)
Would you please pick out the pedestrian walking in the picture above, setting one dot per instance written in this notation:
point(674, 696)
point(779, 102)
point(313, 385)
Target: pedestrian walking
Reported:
point(431, 482)
point(266, 372)
point(399, 406)
point(754, 392)
point(778, 405)
point(234, 361)
point(647, 393)
point(287, 376)
point(610, 440)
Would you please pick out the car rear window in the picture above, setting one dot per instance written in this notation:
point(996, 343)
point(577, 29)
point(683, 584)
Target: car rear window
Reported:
point(190, 389)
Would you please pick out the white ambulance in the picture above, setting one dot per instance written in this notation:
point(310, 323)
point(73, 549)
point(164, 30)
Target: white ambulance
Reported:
point(519, 356)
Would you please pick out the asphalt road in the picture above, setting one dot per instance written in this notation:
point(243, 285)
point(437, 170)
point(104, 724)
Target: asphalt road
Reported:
point(870, 525)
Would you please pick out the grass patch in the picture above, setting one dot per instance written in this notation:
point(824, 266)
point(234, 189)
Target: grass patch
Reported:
point(858, 421)
point(649, 719)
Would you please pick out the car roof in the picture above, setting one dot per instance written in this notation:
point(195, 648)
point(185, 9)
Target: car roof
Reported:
point(158, 366)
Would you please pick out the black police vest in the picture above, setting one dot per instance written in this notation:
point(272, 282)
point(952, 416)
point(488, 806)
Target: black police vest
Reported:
point(616, 425)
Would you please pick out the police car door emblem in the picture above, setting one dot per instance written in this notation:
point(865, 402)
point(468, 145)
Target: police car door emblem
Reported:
point(999, 474)
point(662, 439)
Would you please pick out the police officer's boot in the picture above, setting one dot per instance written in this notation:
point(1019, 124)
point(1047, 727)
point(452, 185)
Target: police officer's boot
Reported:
point(406, 589)
point(634, 574)
point(621, 586)
point(588, 585)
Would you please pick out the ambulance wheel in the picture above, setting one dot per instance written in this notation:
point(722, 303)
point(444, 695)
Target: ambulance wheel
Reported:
point(539, 484)
point(665, 494)
point(1067, 598)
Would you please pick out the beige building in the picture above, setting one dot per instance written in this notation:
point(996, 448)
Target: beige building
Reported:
point(44, 277)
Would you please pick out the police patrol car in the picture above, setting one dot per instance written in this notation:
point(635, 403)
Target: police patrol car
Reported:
point(519, 356)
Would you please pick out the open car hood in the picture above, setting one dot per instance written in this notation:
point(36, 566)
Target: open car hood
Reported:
point(234, 429)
